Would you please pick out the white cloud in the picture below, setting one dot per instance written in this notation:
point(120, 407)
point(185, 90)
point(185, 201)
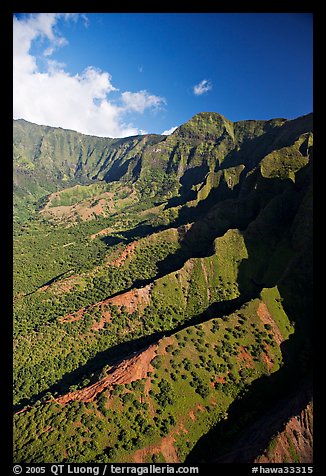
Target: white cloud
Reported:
point(169, 131)
point(141, 100)
point(203, 87)
point(85, 20)
point(54, 97)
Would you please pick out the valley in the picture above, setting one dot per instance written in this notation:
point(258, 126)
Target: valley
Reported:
point(163, 293)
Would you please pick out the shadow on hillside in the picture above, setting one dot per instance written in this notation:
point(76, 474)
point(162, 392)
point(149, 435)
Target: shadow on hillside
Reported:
point(255, 438)
point(261, 411)
point(112, 240)
point(118, 169)
point(211, 218)
point(253, 150)
point(217, 194)
point(124, 350)
point(198, 240)
point(191, 177)
point(222, 210)
point(51, 281)
point(254, 418)
point(230, 440)
point(263, 212)
point(186, 214)
point(56, 278)
point(126, 237)
point(262, 393)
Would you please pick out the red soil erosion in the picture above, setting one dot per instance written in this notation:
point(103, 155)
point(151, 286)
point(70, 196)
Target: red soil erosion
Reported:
point(64, 285)
point(165, 343)
point(245, 357)
point(76, 316)
point(296, 437)
point(218, 379)
point(198, 408)
point(266, 318)
point(126, 253)
point(192, 415)
point(85, 209)
point(267, 359)
point(166, 447)
point(131, 300)
point(104, 232)
point(127, 371)
point(106, 317)
point(183, 429)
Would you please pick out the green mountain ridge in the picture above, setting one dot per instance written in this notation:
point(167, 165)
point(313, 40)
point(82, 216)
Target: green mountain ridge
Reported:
point(53, 156)
point(200, 241)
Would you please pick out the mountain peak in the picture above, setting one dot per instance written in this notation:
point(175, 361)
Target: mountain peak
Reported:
point(205, 125)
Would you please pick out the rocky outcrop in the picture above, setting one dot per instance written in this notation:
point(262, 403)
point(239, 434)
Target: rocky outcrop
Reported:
point(294, 443)
point(127, 371)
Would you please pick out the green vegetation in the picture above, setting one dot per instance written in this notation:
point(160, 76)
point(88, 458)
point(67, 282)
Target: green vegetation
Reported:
point(198, 399)
point(77, 193)
point(197, 242)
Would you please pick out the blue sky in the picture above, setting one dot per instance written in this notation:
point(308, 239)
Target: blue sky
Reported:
point(116, 74)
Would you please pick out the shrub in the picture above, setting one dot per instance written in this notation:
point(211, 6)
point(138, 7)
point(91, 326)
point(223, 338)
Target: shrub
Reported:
point(157, 362)
point(165, 396)
point(138, 385)
point(127, 397)
point(176, 352)
point(203, 390)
